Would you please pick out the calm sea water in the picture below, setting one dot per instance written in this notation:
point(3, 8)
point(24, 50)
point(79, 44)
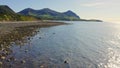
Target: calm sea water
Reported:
point(80, 44)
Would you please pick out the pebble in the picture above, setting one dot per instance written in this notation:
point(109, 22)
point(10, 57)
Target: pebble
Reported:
point(12, 58)
point(3, 57)
point(41, 66)
point(1, 63)
point(26, 50)
point(65, 62)
point(8, 60)
point(23, 61)
point(53, 33)
point(39, 37)
point(28, 38)
point(10, 66)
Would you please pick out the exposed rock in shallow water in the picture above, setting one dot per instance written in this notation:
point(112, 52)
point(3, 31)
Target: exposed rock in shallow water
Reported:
point(65, 62)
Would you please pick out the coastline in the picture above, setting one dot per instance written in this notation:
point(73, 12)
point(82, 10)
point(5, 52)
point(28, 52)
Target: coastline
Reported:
point(7, 27)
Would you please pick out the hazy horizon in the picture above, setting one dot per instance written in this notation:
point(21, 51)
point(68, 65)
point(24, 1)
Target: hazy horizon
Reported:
point(95, 9)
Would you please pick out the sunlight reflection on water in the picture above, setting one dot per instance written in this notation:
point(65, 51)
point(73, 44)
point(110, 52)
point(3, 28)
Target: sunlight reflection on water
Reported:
point(113, 52)
point(113, 58)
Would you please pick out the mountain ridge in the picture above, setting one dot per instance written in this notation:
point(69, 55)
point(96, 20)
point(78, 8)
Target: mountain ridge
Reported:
point(47, 13)
point(29, 14)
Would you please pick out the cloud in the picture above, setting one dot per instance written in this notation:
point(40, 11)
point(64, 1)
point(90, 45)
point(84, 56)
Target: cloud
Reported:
point(101, 3)
point(95, 4)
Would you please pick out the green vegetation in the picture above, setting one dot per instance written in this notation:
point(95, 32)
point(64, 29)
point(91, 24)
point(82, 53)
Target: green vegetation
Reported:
point(7, 14)
point(48, 14)
point(8, 17)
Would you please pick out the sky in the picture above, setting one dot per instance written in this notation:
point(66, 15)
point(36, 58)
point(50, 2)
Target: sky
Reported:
point(106, 10)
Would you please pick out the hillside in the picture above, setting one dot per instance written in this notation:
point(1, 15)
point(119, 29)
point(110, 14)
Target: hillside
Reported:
point(29, 14)
point(7, 14)
point(48, 14)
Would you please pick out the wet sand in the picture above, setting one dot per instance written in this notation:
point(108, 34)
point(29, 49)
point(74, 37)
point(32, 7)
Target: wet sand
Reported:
point(7, 27)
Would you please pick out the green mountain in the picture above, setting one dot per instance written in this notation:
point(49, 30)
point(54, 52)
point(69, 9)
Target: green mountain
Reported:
point(7, 14)
point(48, 14)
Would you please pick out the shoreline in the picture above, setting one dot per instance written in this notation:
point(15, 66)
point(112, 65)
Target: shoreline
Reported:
point(7, 27)
point(18, 33)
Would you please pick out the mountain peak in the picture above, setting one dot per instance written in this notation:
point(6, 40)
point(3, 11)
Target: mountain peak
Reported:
point(71, 13)
point(46, 9)
point(28, 9)
point(3, 6)
point(5, 9)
